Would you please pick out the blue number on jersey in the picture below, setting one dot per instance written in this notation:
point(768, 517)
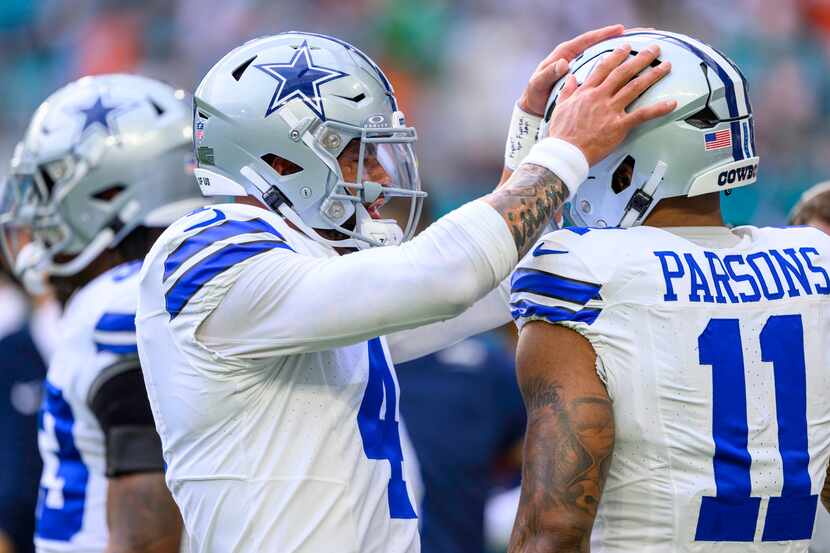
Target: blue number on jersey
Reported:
point(732, 515)
point(381, 437)
point(60, 511)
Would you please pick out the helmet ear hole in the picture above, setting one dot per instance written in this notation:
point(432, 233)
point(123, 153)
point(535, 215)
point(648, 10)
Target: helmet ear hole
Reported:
point(283, 167)
point(621, 179)
point(110, 193)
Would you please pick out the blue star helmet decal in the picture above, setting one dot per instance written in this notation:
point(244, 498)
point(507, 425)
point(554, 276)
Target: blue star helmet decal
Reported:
point(299, 78)
point(101, 115)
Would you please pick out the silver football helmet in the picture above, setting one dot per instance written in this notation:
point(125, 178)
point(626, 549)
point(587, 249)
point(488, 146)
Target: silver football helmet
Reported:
point(272, 118)
point(707, 144)
point(100, 157)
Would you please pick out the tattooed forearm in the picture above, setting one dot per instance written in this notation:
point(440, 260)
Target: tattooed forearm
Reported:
point(527, 201)
point(567, 455)
point(142, 516)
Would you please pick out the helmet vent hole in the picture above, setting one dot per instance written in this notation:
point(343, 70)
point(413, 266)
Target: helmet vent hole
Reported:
point(48, 181)
point(356, 99)
point(703, 119)
point(109, 194)
point(621, 179)
point(283, 167)
point(654, 63)
point(203, 115)
point(237, 73)
point(159, 110)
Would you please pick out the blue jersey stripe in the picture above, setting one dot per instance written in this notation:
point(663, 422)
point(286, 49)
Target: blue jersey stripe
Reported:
point(201, 273)
point(116, 322)
point(554, 286)
point(120, 349)
point(523, 309)
point(205, 238)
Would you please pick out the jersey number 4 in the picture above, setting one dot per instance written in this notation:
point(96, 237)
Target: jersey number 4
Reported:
point(732, 515)
point(381, 436)
point(60, 510)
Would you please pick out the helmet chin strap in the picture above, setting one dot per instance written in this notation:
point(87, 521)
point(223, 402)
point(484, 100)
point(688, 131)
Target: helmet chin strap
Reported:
point(368, 232)
point(384, 232)
point(643, 198)
point(29, 267)
point(34, 265)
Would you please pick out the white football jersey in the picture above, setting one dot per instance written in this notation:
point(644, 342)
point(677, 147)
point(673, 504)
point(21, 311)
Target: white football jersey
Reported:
point(271, 443)
point(97, 328)
point(717, 360)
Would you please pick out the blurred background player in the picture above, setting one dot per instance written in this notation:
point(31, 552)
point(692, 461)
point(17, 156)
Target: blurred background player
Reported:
point(674, 369)
point(104, 165)
point(262, 323)
point(813, 208)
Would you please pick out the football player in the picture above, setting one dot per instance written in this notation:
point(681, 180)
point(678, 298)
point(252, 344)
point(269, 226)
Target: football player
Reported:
point(674, 369)
point(105, 164)
point(263, 323)
point(813, 208)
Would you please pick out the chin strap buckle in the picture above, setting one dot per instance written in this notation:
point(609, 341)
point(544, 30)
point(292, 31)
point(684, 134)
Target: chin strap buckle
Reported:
point(273, 198)
point(642, 198)
point(640, 201)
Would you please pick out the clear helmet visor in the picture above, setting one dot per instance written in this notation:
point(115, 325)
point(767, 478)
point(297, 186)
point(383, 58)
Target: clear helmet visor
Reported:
point(30, 231)
point(379, 177)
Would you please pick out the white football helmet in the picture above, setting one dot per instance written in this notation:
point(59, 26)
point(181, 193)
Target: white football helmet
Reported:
point(707, 144)
point(298, 100)
point(101, 156)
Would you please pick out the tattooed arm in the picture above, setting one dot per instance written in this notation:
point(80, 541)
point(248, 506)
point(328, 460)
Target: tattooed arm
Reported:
point(569, 440)
point(141, 515)
point(527, 201)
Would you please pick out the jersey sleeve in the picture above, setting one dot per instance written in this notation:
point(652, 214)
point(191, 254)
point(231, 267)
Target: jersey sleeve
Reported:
point(115, 332)
point(118, 399)
point(553, 284)
point(116, 394)
point(284, 303)
point(492, 311)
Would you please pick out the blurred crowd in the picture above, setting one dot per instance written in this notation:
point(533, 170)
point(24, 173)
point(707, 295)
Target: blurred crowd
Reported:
point(457, 66)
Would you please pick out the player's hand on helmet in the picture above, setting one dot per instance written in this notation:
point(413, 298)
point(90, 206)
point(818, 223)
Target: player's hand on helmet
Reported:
point(593, 116)
point(555, 66)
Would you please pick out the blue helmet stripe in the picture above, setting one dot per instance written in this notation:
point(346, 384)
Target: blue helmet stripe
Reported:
point(728, 83)
point(211, 235)
point(205, 270)
point(752, 135)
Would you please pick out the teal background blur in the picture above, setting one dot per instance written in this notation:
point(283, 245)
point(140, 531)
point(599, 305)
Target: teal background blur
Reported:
point(457, 66)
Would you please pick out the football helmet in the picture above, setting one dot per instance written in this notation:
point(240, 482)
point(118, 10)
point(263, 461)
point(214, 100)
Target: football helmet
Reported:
point(100, 157)
point(272, 118)
point(707, 144)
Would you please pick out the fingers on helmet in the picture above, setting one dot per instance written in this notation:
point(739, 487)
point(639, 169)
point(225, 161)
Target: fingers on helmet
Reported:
point(623, 73)
point(607, 64)
point(641, 83)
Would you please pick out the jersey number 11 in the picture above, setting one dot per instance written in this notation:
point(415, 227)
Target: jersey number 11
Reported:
point(732, 515)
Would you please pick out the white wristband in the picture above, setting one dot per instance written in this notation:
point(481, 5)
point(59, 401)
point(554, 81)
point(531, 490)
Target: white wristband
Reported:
point(563, 159)
point(521, 136)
